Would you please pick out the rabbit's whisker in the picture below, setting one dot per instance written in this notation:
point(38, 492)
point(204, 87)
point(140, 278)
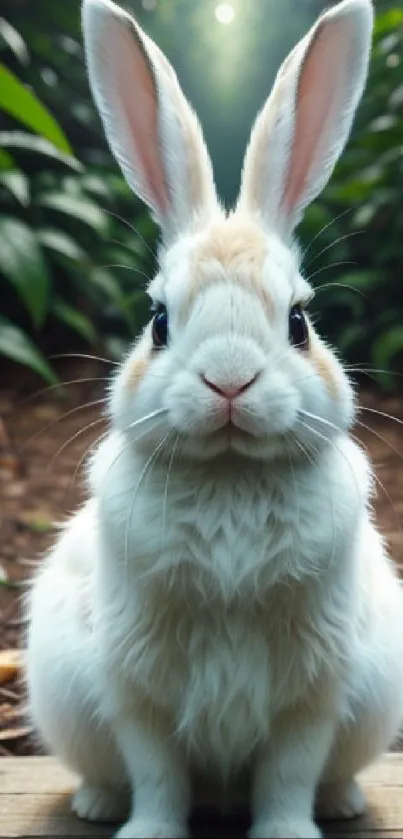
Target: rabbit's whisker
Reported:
point(127, 247)
point(381, 414)
point(323, 229)
point(72, 438)
point(314, 464)
point(356, 368)
point(330, 442)
point(87, 452)
point(59, 386)
point(305, 450)
point(381, 437)
point(59, 419)
point(134, 229)
point(151, 415)
point(333, 245)
point(294, 479)
point(339, 285)
point(144, 473)
point(130, 442)
point(328, 267)
point(315, 417)
point(85, 356)
point(381, 485)
point(129, 268)
point(358, 442)
point(165, 498)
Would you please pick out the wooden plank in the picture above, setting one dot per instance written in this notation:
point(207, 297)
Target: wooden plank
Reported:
point(35, 802)
point(34, 775)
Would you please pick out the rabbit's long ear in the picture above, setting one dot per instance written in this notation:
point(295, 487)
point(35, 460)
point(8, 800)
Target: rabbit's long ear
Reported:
point(305, 123)
point(151, 129)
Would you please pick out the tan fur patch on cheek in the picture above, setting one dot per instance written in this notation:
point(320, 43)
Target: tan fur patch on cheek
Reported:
point(136, 372)
point(322, 360)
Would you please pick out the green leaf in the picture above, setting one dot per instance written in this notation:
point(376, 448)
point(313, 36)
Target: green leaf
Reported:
point(15, 344)
point(107, 283)
point(18, 184)
point(343, 297)
point(14, 40)
point(387, 347)
point(364, 215)
point(383, 123)
point(116, 347)
point(81, 209)
point(6, 160)
point(351, 335)
point(396, 97)
point(388, 20)
point(61, 243)
point(363, 280)
point(74, 319)
point(22, 104)
point(98, 186)
point(38, 145)
point(23, 264)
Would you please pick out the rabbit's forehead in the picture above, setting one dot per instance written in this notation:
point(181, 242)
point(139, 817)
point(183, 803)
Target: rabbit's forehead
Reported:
point(234, 250)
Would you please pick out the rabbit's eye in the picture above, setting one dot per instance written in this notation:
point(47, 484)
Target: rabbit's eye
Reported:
point(160, 328)
point(298, 328)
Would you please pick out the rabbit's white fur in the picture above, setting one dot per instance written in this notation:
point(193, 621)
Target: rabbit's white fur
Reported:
point(223, 602)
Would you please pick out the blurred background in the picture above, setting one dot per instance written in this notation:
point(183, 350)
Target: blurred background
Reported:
point(72, 271)
point(76, 249)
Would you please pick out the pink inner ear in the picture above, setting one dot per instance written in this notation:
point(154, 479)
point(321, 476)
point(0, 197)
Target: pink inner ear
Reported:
point(320, 85)
point(139, 99)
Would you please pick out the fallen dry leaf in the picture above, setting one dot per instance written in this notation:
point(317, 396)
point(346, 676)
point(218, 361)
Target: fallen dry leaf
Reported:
point(4, 438)
point(15, 733)
point(38, 520)
point(10, 713)
point(11, 662)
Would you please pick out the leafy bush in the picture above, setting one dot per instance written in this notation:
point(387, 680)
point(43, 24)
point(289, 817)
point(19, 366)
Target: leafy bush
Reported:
point(70, 264)
point(58, 243)
point(361, 214)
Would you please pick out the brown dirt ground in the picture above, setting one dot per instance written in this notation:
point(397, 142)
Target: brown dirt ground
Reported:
point(41, 482)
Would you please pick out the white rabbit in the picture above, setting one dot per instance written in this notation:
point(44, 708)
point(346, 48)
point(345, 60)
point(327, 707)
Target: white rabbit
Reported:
point(223, 602)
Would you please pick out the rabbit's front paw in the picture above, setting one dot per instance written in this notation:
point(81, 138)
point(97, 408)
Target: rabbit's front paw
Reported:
point(98, 804)
point(142, 829)
point(340, 801)
point(287, 828)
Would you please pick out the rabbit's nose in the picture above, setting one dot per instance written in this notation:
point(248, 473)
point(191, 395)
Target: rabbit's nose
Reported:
point(230, 391)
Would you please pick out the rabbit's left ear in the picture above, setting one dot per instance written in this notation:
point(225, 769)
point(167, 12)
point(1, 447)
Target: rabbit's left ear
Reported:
point(304, 126)
point(151, 128)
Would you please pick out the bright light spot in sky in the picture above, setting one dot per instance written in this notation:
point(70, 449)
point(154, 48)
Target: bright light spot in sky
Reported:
point(224, 13)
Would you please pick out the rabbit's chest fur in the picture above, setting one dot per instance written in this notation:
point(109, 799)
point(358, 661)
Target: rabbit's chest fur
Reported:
point(224, 614)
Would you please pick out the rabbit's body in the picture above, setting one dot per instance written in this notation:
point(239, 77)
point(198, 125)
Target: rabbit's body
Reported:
point(212, 635)
point(223, 602)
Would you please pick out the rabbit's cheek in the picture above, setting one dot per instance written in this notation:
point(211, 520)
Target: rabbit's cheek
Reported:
point(136, 370)
point(324, 365)
point(270, 409)
point(196, 416)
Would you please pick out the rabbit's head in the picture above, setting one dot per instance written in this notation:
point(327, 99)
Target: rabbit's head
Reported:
point(230, 360)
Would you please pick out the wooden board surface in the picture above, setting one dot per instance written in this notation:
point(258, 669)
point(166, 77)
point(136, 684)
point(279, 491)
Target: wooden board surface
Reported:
point(35, 802)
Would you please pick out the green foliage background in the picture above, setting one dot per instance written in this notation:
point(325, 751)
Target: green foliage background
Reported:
point(72, 268)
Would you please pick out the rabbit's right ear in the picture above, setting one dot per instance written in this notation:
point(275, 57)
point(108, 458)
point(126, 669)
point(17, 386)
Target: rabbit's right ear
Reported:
point(151, 129)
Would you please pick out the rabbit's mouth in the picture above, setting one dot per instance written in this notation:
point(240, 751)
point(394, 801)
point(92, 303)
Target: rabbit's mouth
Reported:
point(239, 431)
point(232, 438)
point(233, 441)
